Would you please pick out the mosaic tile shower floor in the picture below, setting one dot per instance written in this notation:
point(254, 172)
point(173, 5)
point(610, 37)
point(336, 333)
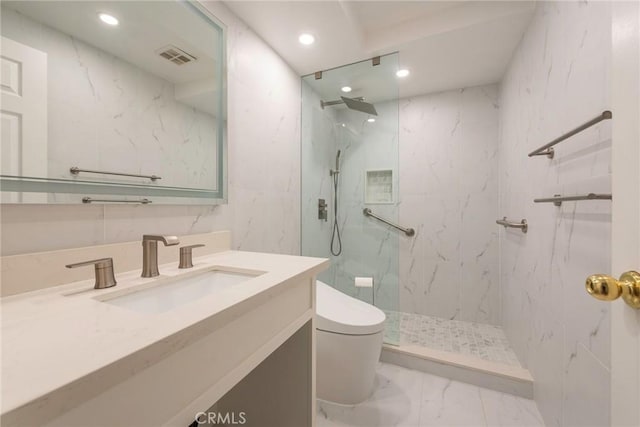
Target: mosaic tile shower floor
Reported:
point(486, 342)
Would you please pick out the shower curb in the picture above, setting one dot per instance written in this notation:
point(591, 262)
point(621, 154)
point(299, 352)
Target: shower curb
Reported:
point(514, 380)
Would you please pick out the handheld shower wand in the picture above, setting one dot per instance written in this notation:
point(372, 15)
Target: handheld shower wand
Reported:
point(336, 171)
point(336, 228)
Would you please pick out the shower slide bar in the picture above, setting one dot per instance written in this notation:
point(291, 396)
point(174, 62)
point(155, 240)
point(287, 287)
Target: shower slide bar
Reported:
point(522, 225)
point(408, 231)
point(547, 149)
point(76, 170)
point(558, 199)
point(90, 200)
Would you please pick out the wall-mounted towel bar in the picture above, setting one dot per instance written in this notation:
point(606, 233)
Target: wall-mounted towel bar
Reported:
point(76, 170)
point(522, 225)
point(547, 150)
point(558, 199)
point(90, 200)
point(408, 231)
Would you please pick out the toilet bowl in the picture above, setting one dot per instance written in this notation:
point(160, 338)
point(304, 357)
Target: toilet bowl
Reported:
point(348, 346)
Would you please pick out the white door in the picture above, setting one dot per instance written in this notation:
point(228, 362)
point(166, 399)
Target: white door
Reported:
point(23, 109)
point(625, 248)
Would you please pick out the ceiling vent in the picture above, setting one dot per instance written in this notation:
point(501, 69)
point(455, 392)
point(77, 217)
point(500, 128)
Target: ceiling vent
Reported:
point(176, 55)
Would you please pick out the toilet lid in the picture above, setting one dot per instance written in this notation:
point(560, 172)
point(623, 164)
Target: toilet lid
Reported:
point(340, 313)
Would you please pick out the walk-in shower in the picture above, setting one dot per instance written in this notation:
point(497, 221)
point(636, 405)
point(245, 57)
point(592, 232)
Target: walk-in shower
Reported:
point(425, 233)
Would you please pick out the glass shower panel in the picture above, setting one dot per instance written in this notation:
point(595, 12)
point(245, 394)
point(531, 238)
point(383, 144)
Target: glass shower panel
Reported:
point(358, 246)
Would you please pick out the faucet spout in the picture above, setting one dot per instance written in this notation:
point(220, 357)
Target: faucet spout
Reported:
point(150, 252)
point(167, 240)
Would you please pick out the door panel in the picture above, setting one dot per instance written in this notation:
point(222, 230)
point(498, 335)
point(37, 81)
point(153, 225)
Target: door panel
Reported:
point(625, 248)
point(23, 85)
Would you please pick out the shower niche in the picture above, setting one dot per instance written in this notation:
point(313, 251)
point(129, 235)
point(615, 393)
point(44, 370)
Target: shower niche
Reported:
point(378, 186)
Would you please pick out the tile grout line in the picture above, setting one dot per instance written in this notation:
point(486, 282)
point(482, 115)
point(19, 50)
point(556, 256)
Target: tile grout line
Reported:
point(424, 379)
point(484, 410)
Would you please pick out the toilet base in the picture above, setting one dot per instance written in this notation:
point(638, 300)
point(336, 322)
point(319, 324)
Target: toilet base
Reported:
point(346, 366)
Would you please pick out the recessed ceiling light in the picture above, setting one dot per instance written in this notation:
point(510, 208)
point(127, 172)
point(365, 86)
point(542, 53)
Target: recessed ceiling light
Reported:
point(371, 120)
point(306, 39)
point(108, 19)
point(346, 89)
point(402, 73)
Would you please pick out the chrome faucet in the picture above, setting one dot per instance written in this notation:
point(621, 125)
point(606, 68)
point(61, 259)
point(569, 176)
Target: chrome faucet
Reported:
point(150, 252)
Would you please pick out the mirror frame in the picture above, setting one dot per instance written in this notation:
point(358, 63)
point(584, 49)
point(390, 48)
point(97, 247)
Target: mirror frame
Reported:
point(44, 188)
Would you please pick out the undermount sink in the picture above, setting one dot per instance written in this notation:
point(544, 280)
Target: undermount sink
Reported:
point(172, 293)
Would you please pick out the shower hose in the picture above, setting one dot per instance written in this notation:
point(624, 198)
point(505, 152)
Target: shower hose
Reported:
point(336, 228)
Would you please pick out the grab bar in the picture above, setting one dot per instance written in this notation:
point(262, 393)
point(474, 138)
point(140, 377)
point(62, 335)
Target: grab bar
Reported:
point(522, 225)
point(557, 199)
point(547, 150)
point(90, 200)
point(408, 231)
point(76, 170)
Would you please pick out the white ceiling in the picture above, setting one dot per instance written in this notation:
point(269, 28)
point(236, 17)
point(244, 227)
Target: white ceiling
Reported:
point(445, 44)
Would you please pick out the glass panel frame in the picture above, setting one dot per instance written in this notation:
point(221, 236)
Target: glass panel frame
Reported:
point(370, 248)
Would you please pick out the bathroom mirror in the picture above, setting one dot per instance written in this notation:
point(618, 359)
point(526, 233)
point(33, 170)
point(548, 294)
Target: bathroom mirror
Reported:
point(118, 101)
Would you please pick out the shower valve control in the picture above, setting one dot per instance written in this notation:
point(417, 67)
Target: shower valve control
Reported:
point(322, 209)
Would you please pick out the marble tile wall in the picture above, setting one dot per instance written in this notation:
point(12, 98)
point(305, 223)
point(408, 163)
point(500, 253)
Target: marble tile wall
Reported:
point(97, 97)
point(558, 79)
point(264, 205)
point(449, 194)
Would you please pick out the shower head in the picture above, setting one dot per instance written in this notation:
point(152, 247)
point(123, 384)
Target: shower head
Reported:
point(357, 104)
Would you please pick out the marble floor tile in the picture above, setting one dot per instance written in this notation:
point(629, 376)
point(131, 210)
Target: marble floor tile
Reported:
point(395, 401)
point(480, 340)
point(450, 403)
point(408, 398)
point(506, 410)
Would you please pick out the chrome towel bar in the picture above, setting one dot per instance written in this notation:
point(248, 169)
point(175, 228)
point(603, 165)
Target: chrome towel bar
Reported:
point(522, 225)
point(408, 231)
point(76, 170)
point(558, 199)
point(90, 200)
point(547, 150)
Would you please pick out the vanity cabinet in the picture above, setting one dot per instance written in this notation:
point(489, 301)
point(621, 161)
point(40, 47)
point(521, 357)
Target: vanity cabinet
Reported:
point(256, 360)
point(79, 359)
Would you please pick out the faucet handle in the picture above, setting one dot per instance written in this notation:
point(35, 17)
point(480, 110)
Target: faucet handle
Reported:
point(103, 270)
point(186, 259)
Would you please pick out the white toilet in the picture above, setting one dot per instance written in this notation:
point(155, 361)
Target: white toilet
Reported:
point(348, 343)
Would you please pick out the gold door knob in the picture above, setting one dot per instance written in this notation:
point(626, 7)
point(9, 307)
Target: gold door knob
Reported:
point(606, 288)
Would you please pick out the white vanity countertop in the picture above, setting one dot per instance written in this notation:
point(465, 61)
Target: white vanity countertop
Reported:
point(54, 337)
